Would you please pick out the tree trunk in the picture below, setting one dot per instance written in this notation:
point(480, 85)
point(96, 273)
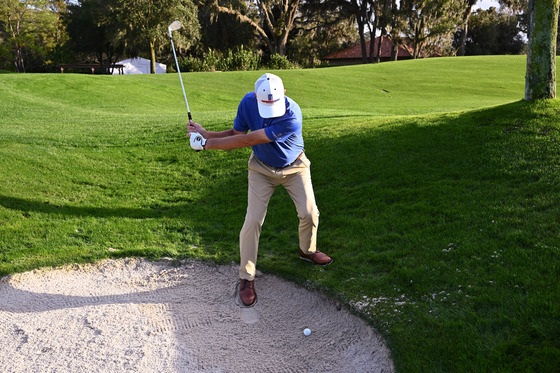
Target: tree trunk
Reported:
point(361, 27)
point(18, 63)
point(540, 80)
point(152, 57)
point(379, 45)
point(418, 39)
point(372, 32)
point(372, 37)
point(394, 51)
point(465, 31)
point(394, 31)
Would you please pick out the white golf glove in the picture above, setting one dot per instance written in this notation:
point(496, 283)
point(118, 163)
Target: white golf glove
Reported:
point(197, 141)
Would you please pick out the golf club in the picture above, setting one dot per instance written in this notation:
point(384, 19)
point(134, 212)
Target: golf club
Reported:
point(176, 25)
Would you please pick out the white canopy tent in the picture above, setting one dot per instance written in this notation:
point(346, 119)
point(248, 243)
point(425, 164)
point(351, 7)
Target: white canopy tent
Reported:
point(139, 65)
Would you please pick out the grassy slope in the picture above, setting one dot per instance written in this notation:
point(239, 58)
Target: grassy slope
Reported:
point(443, 226)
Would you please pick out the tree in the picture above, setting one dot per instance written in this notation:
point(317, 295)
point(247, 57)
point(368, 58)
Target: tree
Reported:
point(30, 30)
point(492, 32)
point(520, 9)
point(95, 31)
point(370, 15)
point(397, 26)
point(277, 18)
point(145, 25)
point(322, 28)
point(430, 20)
point(540, 80)
point(16, 29)
point(383, 11)
point(363, 12)
point(222, 31)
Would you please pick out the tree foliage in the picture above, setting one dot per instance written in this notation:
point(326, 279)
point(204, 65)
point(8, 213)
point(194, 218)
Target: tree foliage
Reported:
point(145, 25)
point(431, 20)
point(104, 31)
point(222, 31)
point(276, 20)
point(492, 32)
point(363, 12)
point(322, 28)
point(464, 28)
point(30, 32)
point(95, 31)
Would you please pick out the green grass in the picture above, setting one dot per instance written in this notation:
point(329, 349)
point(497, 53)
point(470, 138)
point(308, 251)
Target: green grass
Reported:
point(438, 189)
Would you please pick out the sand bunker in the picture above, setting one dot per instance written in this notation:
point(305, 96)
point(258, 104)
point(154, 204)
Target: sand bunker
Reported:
point(133, 315)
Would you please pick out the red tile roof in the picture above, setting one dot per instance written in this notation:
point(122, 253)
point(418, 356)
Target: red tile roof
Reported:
point(386, 46)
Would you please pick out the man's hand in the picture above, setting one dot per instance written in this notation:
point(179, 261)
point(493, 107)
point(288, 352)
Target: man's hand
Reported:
point(193, 127)
point(197, 141)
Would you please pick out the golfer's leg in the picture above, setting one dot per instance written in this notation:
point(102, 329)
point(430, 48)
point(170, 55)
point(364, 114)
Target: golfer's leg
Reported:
point(260, 190)
point(300, 189)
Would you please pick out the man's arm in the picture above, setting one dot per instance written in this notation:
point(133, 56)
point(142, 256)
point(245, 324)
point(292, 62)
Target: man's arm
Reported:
point(228, 139)
point(195, 127)
point(238, 140)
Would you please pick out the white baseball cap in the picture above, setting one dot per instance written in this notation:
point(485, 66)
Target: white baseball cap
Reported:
point(269, 90)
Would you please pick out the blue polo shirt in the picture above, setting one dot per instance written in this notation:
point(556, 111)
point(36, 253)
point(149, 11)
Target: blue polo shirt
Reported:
point(284, 131)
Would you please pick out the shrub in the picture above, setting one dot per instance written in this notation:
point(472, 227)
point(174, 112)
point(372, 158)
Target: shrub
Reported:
point(212, 61)
point(190, 64)
point(278, 62)
point(241, 60)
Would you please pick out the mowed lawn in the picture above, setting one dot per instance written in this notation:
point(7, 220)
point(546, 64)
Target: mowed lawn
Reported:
point(438, 188)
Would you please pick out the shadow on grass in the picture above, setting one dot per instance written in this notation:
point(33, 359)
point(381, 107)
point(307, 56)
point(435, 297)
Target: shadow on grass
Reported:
point(433, 170)
point(412, 206)
point(422, 205)
point(27, 206)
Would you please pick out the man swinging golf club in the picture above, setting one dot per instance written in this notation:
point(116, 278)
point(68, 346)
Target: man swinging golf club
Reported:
point(271, 124)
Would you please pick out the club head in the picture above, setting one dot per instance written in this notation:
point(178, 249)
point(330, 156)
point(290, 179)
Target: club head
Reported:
point(176, 25)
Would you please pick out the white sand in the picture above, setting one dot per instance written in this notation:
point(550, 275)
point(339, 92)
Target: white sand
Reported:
point(138, 316)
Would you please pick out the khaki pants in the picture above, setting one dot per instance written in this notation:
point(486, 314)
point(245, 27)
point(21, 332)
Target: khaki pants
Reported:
point(263, 180)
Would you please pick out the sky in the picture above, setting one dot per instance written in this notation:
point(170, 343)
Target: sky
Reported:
point(485, 4)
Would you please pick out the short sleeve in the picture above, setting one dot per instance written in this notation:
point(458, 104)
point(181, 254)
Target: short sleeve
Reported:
point(282, 129)
point(240, 123)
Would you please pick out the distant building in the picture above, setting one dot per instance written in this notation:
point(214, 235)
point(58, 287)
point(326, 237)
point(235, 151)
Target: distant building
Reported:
point(140, 65)
point(353, 55)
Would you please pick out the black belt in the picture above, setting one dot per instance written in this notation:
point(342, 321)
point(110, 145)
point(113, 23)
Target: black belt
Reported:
point(288, 165)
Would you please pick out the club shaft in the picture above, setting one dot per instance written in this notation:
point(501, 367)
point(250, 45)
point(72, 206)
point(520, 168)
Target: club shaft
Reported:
point(179, 72)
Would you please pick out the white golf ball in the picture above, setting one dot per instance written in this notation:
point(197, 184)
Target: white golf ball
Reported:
point(306, 331)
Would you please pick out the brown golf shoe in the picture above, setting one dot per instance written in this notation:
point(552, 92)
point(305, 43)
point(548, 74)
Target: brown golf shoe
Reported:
point(247, 293)
point(317, 257)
